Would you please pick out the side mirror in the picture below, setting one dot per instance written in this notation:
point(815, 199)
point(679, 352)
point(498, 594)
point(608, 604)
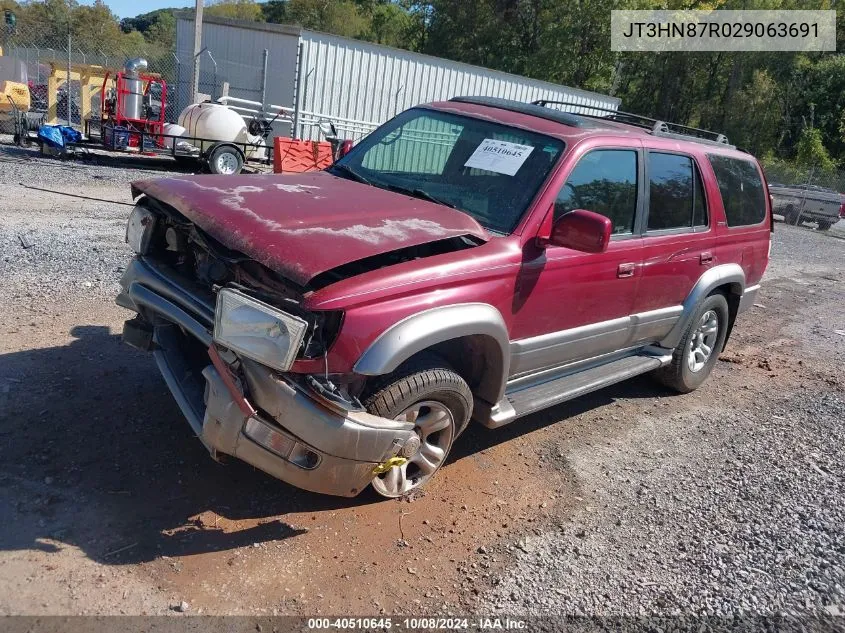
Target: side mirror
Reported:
point(579, 230)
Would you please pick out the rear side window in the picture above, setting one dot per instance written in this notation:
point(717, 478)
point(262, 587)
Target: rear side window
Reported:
point(742, 190)
point(604, 181)
point(676, 199)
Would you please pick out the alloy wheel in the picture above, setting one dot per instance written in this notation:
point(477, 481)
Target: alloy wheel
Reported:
point(435, 427)
point(703, 340)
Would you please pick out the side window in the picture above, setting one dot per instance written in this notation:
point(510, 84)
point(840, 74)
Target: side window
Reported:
point(603, 181)
point(742, 190)
point(676, 198)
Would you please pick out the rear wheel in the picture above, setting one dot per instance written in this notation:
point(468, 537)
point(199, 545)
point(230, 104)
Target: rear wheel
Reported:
point(699, 349)
point(824, 226)
point(438, 402)
point(790, 215)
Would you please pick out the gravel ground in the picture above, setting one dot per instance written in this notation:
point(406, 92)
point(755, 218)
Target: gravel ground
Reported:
point(731, 505)
point(627, 501)
point(41, 242)
point(710, 512)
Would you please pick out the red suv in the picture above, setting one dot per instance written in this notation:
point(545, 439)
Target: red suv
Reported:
point(471, 259)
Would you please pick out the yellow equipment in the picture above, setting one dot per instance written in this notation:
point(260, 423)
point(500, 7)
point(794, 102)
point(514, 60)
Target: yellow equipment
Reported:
point(14, 92)
point(15, 100)
point(13, 86)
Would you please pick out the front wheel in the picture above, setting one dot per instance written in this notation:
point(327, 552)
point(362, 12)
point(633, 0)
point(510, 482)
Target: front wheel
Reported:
point(699, 349)
point(824, 226)
point(438, 402)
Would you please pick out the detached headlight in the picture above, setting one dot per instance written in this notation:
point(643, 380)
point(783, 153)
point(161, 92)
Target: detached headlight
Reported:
point(257, 330)
point(139, 229)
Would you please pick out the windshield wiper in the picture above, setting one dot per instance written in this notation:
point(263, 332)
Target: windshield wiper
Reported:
point(352, 173)
point(422, 194)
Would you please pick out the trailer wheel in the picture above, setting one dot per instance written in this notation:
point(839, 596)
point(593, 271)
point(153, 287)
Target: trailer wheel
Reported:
point(225, 160)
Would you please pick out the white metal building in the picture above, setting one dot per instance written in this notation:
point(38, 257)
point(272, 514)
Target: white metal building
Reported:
point(358, 85)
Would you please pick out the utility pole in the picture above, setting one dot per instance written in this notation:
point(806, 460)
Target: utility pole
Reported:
point(197, 48)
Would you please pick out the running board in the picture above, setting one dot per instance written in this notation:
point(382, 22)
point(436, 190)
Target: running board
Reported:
point(536, 397)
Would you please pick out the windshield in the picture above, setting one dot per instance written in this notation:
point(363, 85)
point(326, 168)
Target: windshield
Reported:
point(485, 169)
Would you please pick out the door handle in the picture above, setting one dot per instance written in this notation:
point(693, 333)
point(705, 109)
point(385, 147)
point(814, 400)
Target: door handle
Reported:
point(706, 257)
point(626, 270)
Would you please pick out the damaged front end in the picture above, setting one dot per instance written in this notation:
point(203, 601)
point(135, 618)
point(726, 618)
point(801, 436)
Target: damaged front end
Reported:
point(224, 330)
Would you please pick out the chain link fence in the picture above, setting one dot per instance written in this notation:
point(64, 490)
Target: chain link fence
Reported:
point(806, 193)
point(789, 174)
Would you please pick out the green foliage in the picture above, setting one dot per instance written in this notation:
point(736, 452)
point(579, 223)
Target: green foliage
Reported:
point(340, 17)
point(389, 24)
point(93, 27)
point(157, 26)
point(274, 11)
point(757, 130)
point(235, 10)
point(811, 152)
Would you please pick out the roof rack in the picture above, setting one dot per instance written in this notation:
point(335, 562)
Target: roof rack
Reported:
point(654, 126)
point(550, 114)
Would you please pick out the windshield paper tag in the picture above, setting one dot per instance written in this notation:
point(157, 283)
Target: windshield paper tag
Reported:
point(499, 156)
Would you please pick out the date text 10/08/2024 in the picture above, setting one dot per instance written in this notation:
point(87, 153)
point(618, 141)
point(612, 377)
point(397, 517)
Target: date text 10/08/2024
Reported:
point(423, 623)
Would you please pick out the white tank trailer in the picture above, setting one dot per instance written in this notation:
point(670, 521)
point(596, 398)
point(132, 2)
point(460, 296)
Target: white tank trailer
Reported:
point(217, 122)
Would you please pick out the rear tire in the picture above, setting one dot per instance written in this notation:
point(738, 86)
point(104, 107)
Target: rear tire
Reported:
point(824, 226)
point(439, 402)
point(691, 362)
point(790, 215)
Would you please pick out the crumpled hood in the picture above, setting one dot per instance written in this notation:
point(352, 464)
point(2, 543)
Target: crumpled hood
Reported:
point(305, 224)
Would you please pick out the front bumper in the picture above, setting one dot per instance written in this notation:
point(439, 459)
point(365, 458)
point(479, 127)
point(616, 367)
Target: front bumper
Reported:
point(314, 444)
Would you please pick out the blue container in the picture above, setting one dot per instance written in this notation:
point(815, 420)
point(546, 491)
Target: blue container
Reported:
point(115, 137)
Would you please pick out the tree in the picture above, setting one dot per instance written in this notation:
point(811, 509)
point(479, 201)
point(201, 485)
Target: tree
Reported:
point(825, 89)
point(390, 24)
point(235, 10)
point(340, 17)
point(812, 152)
point(757, 130)
point(98, 24)
point(274, 11)
point(163, 31)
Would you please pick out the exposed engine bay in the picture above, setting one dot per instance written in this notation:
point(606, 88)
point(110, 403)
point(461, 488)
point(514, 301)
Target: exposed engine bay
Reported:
point(180, 246)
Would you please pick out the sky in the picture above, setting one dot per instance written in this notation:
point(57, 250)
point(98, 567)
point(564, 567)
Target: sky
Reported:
point(131, 8)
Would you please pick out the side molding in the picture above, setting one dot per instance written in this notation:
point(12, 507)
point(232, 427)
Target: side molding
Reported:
point(709, 281)
point(422, 330)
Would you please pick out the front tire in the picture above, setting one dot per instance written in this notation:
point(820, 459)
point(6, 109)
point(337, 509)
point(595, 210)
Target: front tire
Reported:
point(824, 226)
point(439, 403)
point(699, 349)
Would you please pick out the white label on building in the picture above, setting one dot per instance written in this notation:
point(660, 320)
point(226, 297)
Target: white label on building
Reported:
point(499, 156)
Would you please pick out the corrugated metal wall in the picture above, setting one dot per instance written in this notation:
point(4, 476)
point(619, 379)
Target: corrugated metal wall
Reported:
point(238, 47)
point(359, 85)
point(356, 84)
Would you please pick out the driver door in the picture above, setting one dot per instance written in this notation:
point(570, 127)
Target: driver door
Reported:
point(571, 305)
